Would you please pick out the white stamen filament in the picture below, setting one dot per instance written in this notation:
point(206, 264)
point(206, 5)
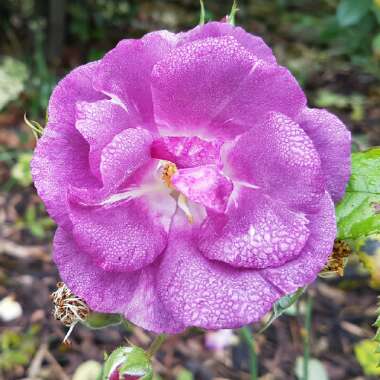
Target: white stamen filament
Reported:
point(133, 193)
point(183, 205)
point(161, 186)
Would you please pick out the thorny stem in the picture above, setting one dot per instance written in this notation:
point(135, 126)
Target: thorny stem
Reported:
point(247, 336)
point(156, 344)
point(307, 335)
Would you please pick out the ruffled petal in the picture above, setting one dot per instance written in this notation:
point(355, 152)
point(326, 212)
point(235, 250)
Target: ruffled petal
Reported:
point(146, 308)
point(106, 292)
point(128, 150)
point(60, 159)
point(254, 44)
point(267, 88)
point(98, 122)
point(186, 152)
point(195, 81)
point(125, 236)
point(124, 73)
point(74, 87)
point(61, 155)
point(279, 157)
point(256, 232)
point(305, 268)
point(333, 142)
point(133, 294)
point(205, 185)
point(207, 294)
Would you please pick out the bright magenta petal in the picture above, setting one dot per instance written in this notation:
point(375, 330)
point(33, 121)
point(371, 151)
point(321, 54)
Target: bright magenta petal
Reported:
point(267, 88)
point(128, 151)
point(205, 185)
point(305, 268)
point(333, 142)
point(98, 122)
point(133, 294)
point(61, 155)
point(254, 44)
point(125, 72)
point(186, 152)
point(255, 232)
point(278, 157)
point(103, 291)
point(204, 293)
point(123, 237)
point(195, 81)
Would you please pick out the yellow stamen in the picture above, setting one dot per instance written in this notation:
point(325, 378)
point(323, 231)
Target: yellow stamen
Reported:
point(167, 173)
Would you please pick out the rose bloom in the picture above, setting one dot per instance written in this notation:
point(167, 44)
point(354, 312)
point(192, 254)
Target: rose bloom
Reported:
point(191, 184)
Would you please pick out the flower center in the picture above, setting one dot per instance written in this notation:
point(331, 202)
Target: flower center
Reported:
point(167, 173)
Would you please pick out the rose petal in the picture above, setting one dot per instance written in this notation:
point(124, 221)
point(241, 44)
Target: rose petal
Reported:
point(203, 293)
point(98, 122)
point(134, 293)
point(106, 292)
point(146, 308)
point(203, 75)
point(186, 152)
point(125, 72)
point(205, 185)
point(61, 155)
point(279, 157)
point(74, 87)
point(127, 151)
point(305, 268)
point(60, 159)
point(267, 88)
point(256, 232)
point(254, 44)
point(122, 237)
point(333, 142)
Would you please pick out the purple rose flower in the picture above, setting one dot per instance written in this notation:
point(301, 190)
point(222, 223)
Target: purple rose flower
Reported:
point(190, 183)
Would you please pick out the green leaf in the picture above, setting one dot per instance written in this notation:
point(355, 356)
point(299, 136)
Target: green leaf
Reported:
point(350, 12)
point(128, 361)
point(358, 214)
point(100, 320)
point(365, 352)
point(281, 306)
point(316, 369)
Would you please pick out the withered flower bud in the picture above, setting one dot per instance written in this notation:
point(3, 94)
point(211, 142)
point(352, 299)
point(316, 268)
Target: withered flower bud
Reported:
point(337, 259)
point(68, 308)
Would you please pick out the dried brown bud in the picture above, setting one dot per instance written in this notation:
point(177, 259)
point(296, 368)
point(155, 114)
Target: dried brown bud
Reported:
point(336, 261)
point(68, 308)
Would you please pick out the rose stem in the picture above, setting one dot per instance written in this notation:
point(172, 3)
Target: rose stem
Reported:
point(156, 344)
point(307, 335)
point(247, 336)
